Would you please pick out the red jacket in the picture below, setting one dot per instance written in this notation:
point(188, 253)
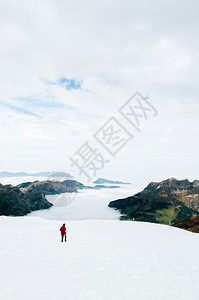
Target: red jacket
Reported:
point(63, 230)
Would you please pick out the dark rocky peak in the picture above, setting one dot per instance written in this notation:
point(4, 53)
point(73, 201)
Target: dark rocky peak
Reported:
point(171, 184)
point(196, 183)
point(14, 202)
point(26, 184)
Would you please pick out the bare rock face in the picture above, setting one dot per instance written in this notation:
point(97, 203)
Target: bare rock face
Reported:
point(191, 224)
point(14, 202)
point(196, 183)
point(171, 184)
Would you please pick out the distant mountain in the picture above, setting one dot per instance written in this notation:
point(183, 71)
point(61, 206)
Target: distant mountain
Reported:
point(102, 181)
point(49, 187)
point(101, 186)
point(168, 201)
point(14, 202)
point(10, 174)
point(30, 196)
point(39, 174)
point(60, 176)
point(191, 224)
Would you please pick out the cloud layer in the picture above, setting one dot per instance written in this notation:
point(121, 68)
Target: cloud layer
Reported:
point(67, 66)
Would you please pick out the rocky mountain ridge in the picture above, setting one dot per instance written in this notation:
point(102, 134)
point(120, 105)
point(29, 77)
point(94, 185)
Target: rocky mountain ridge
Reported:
point(168, 201)
point(51, 187)
point(14, 202)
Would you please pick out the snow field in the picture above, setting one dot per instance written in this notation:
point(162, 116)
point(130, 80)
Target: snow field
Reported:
point(106, 260)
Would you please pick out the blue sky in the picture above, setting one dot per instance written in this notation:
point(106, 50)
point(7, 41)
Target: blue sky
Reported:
point(28, 105)
point(69, 84)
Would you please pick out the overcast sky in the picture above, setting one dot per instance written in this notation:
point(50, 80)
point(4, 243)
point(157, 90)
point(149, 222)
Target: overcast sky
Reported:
point(66, 67)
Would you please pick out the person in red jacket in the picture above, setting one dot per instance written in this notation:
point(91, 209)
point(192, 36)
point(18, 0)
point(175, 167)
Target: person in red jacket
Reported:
point(63, 233)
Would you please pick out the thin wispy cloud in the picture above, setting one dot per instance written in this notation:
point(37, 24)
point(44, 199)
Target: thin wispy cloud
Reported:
point(19, 109)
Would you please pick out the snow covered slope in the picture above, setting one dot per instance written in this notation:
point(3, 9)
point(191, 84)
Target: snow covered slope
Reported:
point(103, 260)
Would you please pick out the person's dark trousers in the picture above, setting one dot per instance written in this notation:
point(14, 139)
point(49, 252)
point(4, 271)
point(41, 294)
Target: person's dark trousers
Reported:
point(62, 237)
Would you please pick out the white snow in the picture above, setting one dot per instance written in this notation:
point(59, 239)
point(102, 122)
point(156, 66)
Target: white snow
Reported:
point(105, 260)
point(192, 196)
